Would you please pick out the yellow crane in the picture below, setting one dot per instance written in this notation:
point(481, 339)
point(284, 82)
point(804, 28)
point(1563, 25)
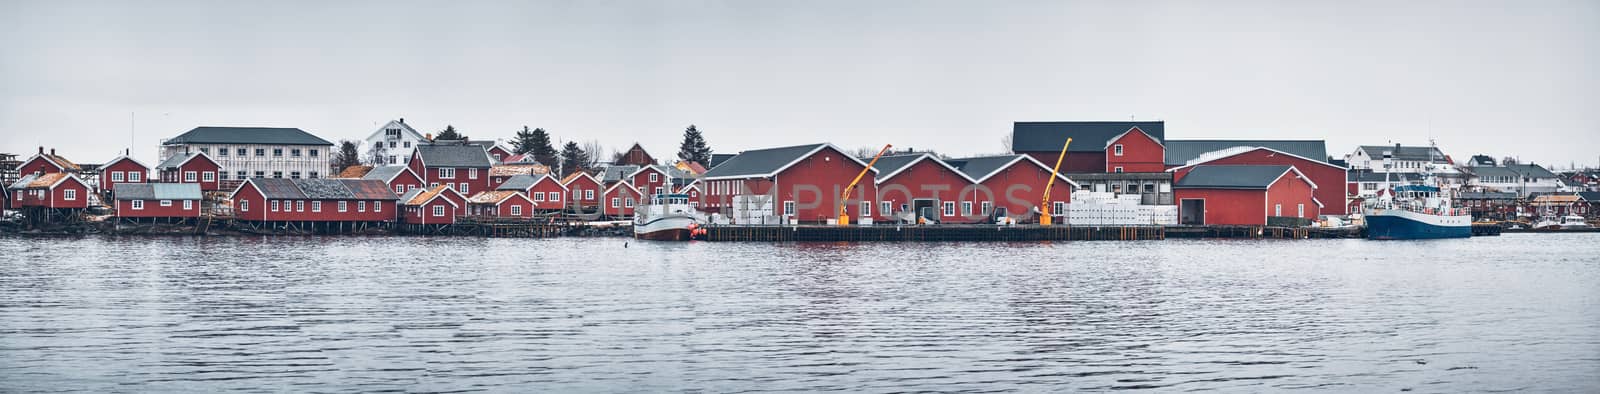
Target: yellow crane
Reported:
point(1044, 206)
point(844, 218)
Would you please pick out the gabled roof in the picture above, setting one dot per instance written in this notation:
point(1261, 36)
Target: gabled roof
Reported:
point(578, 174)
point(889, 166)
point(615, 173)
point(320, 189)
point(276, 188)
point(355, 172)
point(387, 173)
point(1247, 177)
point(1482, 160)
point(1550, 199)
point(1235, 151)
point(1514, 171)
point(495, 197)
point(43, 181)
point(180, 159)
point(23, 182)
point(1415, 153)
point(398, 124)
point(980, 169)
point(629, 188)
point(668, 171)
point(56, 160)
point(1180, 152)
point(1089, 136)
point(525, 182)
point(695, 184)
point(1113, 140)
point(1593, 197)
point(423, 196)
point(121, 158)
point(369, 189)
point(518, 169)
point(246, 135)
point(718, 159)
point(453, 155)
point(766, 163)
point(156, 191)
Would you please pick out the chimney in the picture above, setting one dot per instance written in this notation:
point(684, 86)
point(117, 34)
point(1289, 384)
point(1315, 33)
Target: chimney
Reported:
point(52, 151)
point(402, 120)
point(41, 150)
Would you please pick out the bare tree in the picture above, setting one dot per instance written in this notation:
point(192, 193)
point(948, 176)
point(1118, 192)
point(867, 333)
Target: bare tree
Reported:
point(377, 154)
point(596, 152)
point(1005, 143)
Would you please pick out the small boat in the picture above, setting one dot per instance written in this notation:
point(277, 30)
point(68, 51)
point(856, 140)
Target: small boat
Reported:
point(667, 217)
point(1569, 222)
point(1416, 212)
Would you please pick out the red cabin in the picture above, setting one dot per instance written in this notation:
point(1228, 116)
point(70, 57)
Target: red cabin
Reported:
point(1244, 195)
point(619, 200)
point(806, 182)
point(498, 153)
point(653, 179)
point(46, 163)
point(1135, 151)
point(1014, 183)
point(435, 205)
point(583, 190)
point(910, 182)
point(502, 172)
point(464, 167)
point(545, 191)
point(400, 179)
point(500, 204)
point(50, 190)
point(157, 200)
point(693, 191)
point(1319, 172)
point(191, 167)
point(313, 200)
point(122, 170)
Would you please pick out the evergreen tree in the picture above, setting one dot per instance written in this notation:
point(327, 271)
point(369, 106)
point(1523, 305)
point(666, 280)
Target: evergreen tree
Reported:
point(348, 156)
point(449, 133)
point(542, 151)
point(573, 158)
point(524, 142)
point(694, 147)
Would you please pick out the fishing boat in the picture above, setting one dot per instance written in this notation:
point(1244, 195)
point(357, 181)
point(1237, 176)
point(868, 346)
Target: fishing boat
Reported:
point(1569, 222)
point(1416, 212)
point(667, 217)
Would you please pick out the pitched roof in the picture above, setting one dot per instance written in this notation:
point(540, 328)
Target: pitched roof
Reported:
point(1482, 160)
point(1090, 136)
point(1420, 153)
point(717, 159)
point(518, 169)
point(575, 175)
point(670, 171)
point(979, 169)
point(355, 172)
point(768, 162)
point(41, 181)
point(422, 196)
point(246, 135)
point(397, 124)
point(323, 189)
point(454, 155)
point(1232, 177)
point(492, 197)
point(57, 160)
point(615, 173)
point(156, 191)
point(368, 189)
point(889, 166)
point(1514, 171)
point(385, 173)
point(176, 160)
point(1593, 197)
point(1550, 199)
point(277, 188)
point(121, 158)
point(524, 181)
point(1180, 152)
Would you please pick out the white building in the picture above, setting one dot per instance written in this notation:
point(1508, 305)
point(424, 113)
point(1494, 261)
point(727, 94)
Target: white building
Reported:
point(392, 144)
point(1406, 159)
point(256, 152)
point(1522, 179)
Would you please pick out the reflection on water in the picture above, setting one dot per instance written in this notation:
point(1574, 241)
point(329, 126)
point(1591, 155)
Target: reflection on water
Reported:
point(1516, 312)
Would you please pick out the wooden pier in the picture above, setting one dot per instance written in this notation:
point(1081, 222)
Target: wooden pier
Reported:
point(940, 233)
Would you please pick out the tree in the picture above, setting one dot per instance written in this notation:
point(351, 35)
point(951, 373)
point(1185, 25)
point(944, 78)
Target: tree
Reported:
point(1006, 143)
point(524, 142)
point(1508, 160)
point(541, 149)
point(573, 158)
point(694, 147)
point(449, 133)
point(378, 154)
point(594, 150)
point(348, 156)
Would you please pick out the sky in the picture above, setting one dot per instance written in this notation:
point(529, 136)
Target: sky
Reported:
point(1506, 78)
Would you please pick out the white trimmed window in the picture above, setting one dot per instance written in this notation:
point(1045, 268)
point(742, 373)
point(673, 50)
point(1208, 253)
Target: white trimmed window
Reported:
point(377, 206)
point(344, 206)
point(1277, 209)
point(654, 177)
point(166, 203)
point(866, 209)
point(138, 204)
point(135, 176)
point(1058, 208)
point(361, 206)
point(472, 173)
point(886, 207)
point(966, 208)
point(1116, 150)
point(788, 208)
point(69, 194)
point(188, 204)
point(555, 196)
point(274, 205)
point(316, 206)
point(588, 194)
point(190, 176)
point(988, 208)
point(1117, 170)
point(516, 210)
point(616, 202)
point(464, 188)
point(1302, 208)
point(538, 196)
point(300, 206)
point(628, 203)
point(116, 176)
point(447, 173)
point(949, 208)
point(208, 176)
point(438, 210)
point(244, 205)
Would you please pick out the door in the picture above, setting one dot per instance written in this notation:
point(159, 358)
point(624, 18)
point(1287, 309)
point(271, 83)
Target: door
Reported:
point(925, 208)
point(1193, 212)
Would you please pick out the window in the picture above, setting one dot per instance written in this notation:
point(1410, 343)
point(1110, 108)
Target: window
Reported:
point(116, 176)
point(866, 209)
point(588, 194)
point(1277, 209)
point(277, 152)
point(885, 207)
point(208, 176)
point(393, 144)
point(399, 189)
point(1117, 150)
point(966, 208)
point(138, 204)
point(294, 153)
point(377, 206)
point(135, 176)
point(1117, 170)
point(274, 205)
point(497, 157)
point(316, 206)
point(300, 206)
point(1058, 208)
point(555, 196)
point(344, 206)
point(242, 152)
point(447, 173)
point(949, 208)
point(464, 188)
point(616, 202)
point(361, 206)
point(313, 175)
point(628, 203)
point(516, 210)
point(438, 210)
point(294, 174)
point(1149, 188)
point(69, 194)
point(223, 174)
point(788, 208)
point(653, 177)
point(313, 152)
point(242, 175)
point(277, 174)
point(538, 196)
point(205, 150)
point(1302, 210)
point(407, 144)
point(988, 208)
point(166, 203)
point(188, 204)
point(222, 152)
point(472, 173)
point(658, 188)
point(261, 152)
point(190, 176)
point(393, 159)
point(244, 205)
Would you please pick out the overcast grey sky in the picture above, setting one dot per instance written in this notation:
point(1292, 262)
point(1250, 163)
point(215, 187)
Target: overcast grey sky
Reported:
point(1503, 78)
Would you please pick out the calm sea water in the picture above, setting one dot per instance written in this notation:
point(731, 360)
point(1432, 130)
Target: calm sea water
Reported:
point(1511, 313)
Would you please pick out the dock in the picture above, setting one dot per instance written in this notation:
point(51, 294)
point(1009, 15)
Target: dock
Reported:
point(938, 233)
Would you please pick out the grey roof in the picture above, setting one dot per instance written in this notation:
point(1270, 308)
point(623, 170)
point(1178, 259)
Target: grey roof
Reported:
point(761, 161)
point(368, 189)
point(454, 155)
point(1514, 170)
point(1231, 177)
point(615, 173)
point(1419, 153)
point(718, 158)
point(980, 167)
point(412, 194)
point(671, 171)
point(1587, 196)
point(1482, 160)
point(1487, 196)
point(1369, 176)
point(156, 191)
point(522, 182)
point(247, 135)
point(278, 188)
point(384, 173)
point(1180, 152)
point(889, 164)
point(22, 183)
point(176, 160)
point(1086, 136)
point(324, 189)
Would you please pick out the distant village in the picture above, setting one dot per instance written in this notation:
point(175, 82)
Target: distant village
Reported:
point(1112, 173)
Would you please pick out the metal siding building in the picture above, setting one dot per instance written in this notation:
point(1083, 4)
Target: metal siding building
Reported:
point(1327, 176)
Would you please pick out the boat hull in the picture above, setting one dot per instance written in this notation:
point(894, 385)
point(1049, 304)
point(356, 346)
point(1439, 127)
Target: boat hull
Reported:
point(668, 228)
point(1399, 225)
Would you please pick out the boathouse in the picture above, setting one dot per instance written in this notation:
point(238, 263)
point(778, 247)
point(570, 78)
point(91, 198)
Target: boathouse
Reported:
point(1317, 171)
point(1135, 151)
point(655, 179)
point(46, 163)
point(502, 172)
point(583, 190)
point(792, 184)
point(1091, 140)
point(157, 201)
point(462, 166)
point(400, 179)
point(1013, 185)
point(313, 200)
point(500, 204)
point(910, 183)
point(619, 200)
point(545, 191)
point(50, 198)
point(436, 205)
point(1249, 195)
point(122, 170)
point(191, 167)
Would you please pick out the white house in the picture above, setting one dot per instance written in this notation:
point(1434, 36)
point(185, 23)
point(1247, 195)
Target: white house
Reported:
point(1406, 159)
point(1522, 179)
point(255, 152)
point(393, 143)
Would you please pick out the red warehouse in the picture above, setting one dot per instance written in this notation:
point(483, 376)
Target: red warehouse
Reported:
point(400, 179)
point(1013, 185)
point(619, 200)
point(139, 201)
point(911, 184)
point(1090, 143)
point(464, 167)
point(583, 190)
point(545, 191)
point(1244, 195)
point(122, 170)
point(436, 205)
point(1318, 171)
point(50, 190)
point(191, 167)
point(500, 204)
point(46, 163)
point(790, 184)
point(314, 200)
point(1135, 151)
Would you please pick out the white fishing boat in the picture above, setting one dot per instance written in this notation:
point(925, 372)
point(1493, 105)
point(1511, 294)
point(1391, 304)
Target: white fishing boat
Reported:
point(1416, 212)
point(667, 217)
point(1569, 222)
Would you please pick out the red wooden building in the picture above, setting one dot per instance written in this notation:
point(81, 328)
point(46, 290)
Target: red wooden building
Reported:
point(908, 183)
point(191, 167)
point(619, 200)
point(314, 200)
point(500, 204)
point(635, 156)
point(501, 172)
point(1090, 143)
point(400, 179)
point(56, 190)
point(498, 153)
point(654, 179)
point(804, 181)
point(545, 191)
point(1319, 172)
point(46, 163)
point(462, 166)
point(1014, 184)
point(122, 170)
point(693, 191)
point(583, 190)
point(157, 200)
point(1135, 151)
point(437, 205)
point(1244, 194)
